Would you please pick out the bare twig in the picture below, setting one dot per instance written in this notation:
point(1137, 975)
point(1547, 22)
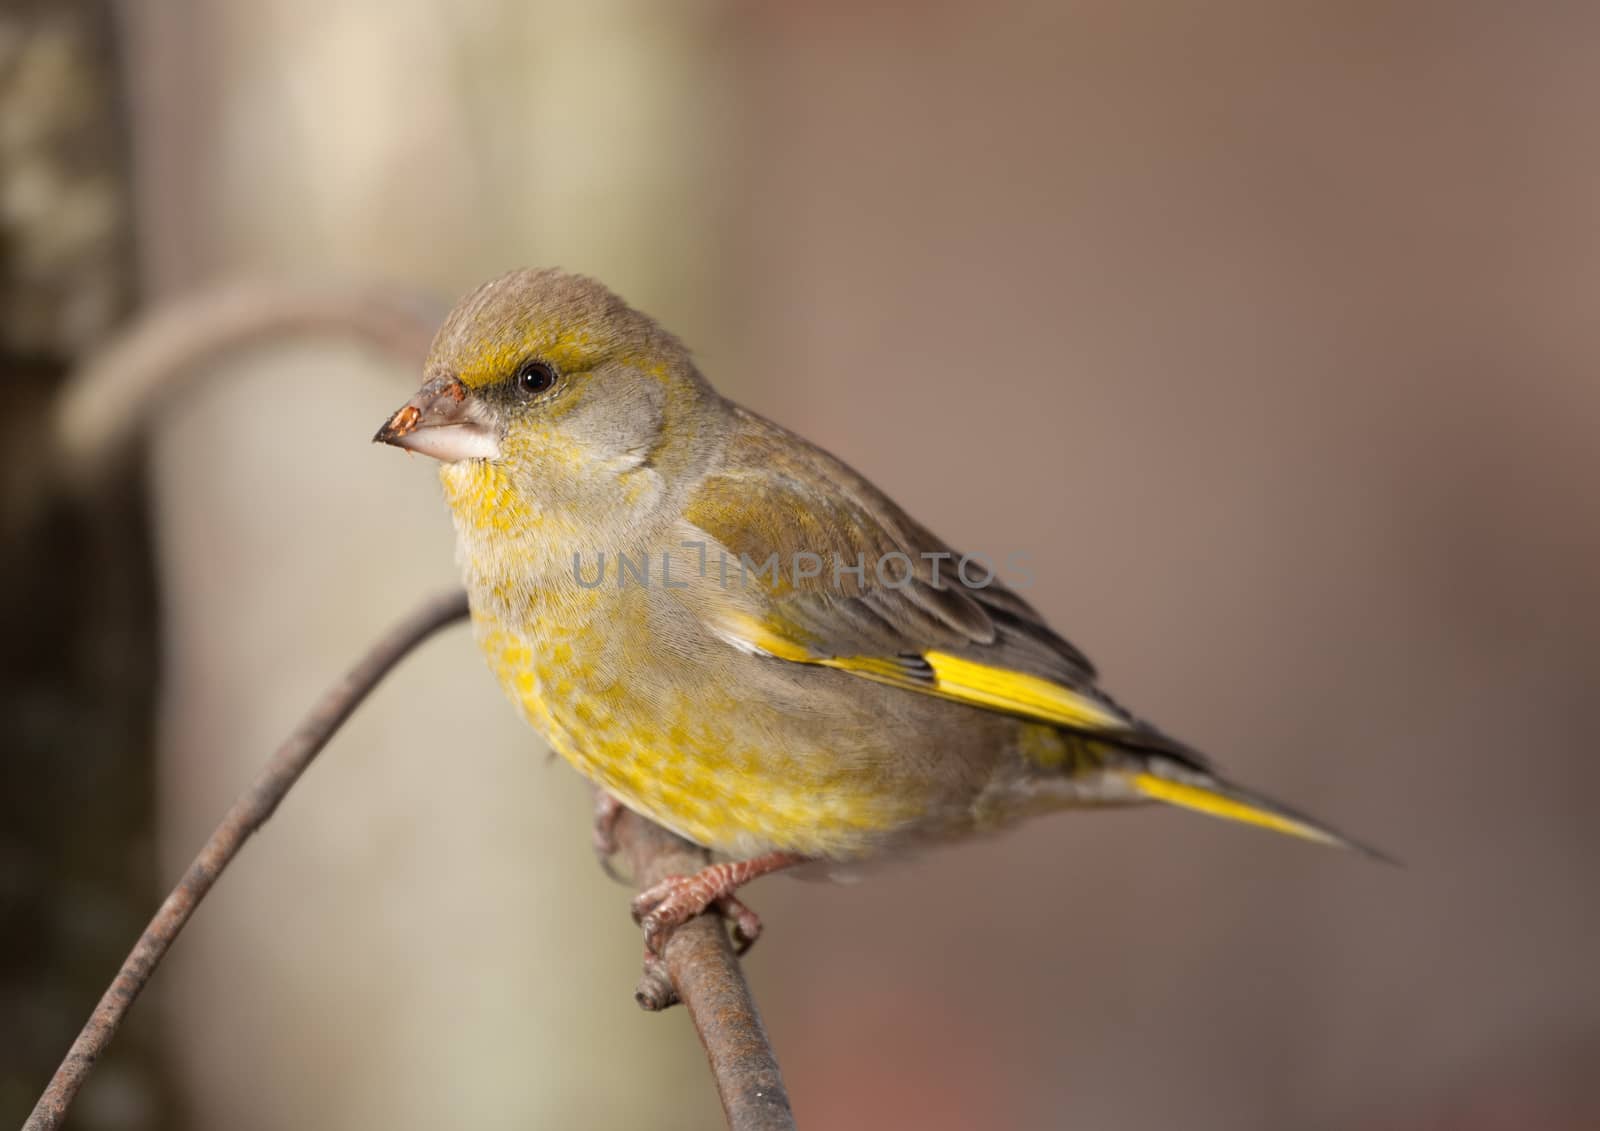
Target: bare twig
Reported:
point(705, 975)
point(248, 814)
point(117, 391)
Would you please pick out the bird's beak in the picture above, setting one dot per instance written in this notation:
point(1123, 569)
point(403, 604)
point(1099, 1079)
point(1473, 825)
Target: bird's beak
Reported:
point(444, 422)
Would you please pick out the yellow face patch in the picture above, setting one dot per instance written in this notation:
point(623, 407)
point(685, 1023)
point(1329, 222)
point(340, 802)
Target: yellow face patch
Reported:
point(570, 349)
point(482, 496)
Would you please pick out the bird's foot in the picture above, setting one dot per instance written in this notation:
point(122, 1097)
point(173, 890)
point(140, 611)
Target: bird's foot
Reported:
point(746, 923)
point(662, 908)
point(606, 811)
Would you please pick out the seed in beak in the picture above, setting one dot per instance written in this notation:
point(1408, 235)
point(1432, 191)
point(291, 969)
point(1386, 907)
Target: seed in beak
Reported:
point(404, 420)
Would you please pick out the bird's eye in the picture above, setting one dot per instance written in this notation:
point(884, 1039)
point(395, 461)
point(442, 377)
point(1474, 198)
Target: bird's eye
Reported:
point(534, 377)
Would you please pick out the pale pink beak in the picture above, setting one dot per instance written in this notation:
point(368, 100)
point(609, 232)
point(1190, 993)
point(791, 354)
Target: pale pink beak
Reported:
point(443, 421)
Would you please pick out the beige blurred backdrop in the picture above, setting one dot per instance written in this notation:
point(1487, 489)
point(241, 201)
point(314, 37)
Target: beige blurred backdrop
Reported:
point(1266, 332)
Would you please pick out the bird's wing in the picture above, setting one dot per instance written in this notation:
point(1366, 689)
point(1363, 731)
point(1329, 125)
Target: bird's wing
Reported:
point(776, 497)
point(827, 570)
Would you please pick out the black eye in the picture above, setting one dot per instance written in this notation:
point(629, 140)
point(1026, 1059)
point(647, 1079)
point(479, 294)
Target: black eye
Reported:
point(534, 377)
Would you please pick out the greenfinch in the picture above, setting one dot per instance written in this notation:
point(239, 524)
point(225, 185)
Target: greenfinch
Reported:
point(735, 635)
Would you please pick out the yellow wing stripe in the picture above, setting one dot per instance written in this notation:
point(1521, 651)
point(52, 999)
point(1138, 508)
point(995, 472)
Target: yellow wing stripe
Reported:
point(748, 632)
point(954, 677)
point(1217, 804)
point(997, 689)
point(1018, 692)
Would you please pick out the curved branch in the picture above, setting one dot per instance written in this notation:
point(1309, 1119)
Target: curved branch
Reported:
point(116, 392)
point(247, 815)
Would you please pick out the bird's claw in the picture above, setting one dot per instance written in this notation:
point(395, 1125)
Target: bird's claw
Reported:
point(746, 923)
point(664, 907)
point(607, 810)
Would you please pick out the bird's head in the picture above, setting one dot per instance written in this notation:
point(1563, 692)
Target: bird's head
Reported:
point(546, 390)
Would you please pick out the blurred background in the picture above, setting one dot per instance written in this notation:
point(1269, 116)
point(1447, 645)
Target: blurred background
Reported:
point(1265, 331)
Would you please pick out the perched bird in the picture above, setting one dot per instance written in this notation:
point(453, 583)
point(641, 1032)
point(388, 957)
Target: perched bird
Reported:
point(734, 634)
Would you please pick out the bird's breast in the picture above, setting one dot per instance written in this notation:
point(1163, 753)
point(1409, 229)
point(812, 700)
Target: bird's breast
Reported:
point(702, 739)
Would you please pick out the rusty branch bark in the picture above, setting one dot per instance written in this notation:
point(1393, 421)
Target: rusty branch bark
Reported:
point(702, 971)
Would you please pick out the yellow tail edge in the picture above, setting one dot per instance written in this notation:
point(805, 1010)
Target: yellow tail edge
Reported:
point(1230, 803)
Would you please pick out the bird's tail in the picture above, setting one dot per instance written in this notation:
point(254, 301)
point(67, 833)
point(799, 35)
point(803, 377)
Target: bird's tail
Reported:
point(1177, 783)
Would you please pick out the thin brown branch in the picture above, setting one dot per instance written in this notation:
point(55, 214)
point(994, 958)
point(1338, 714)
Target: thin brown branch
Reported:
point(247, 815)
point(706, 976)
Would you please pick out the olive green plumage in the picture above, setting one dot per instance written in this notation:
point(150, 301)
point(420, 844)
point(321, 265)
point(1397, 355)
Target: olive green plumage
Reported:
point(884, 700)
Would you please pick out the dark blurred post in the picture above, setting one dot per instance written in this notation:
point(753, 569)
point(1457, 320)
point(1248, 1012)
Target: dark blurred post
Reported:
point(77, 601)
